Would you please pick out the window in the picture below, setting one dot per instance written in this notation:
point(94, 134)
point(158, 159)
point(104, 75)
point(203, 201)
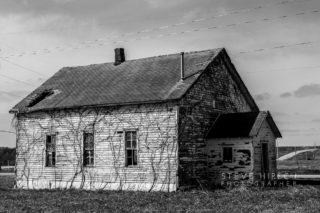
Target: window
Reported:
point(88, 149)
point(50, 150)
point(131, 148)
point(227, 154)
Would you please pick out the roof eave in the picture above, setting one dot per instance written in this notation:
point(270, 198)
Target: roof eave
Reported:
point(94, 106)
point(234, 73)
point(273, 126)
point(265, 115)
point(13, 111)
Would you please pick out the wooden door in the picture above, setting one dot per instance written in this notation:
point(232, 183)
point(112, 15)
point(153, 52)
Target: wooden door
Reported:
point(264, 160)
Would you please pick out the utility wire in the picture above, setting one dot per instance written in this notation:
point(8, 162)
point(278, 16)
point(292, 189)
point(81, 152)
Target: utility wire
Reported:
point(23, 67)
point(279, 47)
point(283, 69)
point(20, 50)
point(17, 80)
point(19, 65)
point(231, 12)
point(227, 13)
point(6, 131)
point(9, 93)
point(239, 53)
point(97, 43)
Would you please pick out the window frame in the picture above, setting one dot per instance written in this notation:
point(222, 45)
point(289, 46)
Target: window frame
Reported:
point(54, 150)
point(135, 150)
point(91, 156)
point(224, 154)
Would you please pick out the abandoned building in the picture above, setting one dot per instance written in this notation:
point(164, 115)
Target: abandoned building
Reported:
point(152, 124)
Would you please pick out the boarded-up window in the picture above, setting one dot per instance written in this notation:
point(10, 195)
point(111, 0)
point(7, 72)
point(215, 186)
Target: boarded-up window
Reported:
point(131, 148)
point(227, 154)
point(88, 149)
point(50, 150)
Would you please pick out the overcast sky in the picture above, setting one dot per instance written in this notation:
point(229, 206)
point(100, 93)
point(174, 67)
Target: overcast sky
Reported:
point(280, 40)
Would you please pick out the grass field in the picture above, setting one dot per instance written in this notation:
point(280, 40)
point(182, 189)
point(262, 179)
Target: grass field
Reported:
point(292, 199)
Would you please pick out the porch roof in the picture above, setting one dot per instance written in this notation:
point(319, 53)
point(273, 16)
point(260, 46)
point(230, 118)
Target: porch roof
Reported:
point(244, 124)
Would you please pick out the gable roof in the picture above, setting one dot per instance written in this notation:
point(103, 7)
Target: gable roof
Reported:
point(146, 80)
point(243, 124)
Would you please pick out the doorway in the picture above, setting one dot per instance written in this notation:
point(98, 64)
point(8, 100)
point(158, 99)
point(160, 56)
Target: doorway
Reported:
point(264, 161)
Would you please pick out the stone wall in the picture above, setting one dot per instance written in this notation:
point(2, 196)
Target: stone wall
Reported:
point(215, 92)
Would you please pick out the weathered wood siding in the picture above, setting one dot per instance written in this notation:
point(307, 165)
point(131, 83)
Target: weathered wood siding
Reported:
point(265, 135)
point(156, 127)
point(197, 113)
point(242, 158)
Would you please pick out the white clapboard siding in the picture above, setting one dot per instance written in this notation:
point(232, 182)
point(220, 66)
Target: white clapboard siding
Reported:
point(156, 127)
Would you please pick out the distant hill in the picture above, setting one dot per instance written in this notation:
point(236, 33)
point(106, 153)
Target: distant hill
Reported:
point(7, 156)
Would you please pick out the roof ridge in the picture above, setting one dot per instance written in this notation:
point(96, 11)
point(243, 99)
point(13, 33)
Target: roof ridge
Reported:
point(190, 52)
point(146, 58)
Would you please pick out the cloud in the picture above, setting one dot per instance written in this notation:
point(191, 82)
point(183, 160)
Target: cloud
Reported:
point(262, 96)
point(157, 3)
point(307, 91)
point(316, 120)
point(291, 130)
point(280, 114)
point(285, 95)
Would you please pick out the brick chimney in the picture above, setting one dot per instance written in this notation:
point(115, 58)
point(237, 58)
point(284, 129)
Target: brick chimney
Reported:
point(182, 66)
point(119, 56)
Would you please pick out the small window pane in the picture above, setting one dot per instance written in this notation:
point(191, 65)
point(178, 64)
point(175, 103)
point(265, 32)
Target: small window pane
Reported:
point(53, 158)
point(134, 157)
point(129, 153)
point(134, 144)
point(128, 136)
point(88, 149)
point(50, 150)
point(48, 139)
point(227, 154)
point(128, 144)
point(133, 136)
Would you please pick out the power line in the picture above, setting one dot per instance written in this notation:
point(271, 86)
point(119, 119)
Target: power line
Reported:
point(19, 65)
point(17, 80)
point(283, 69)
point(9, 93)
point(97, 43)
point(239, 53)
point(6, 131)
point(278, 47)
point(20, 50)
point(23, 67)
point(230, 12)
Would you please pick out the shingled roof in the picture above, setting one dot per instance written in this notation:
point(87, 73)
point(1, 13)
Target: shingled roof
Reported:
point(146, 80)
point(151, 79)
point(243, 124)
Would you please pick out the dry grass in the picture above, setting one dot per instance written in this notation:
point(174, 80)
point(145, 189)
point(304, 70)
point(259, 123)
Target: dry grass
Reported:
point(297, 199)
point(7, 182)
